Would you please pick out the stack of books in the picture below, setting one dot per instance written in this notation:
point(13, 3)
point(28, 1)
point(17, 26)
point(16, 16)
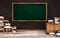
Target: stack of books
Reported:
point(5, 26)
point(1, 23)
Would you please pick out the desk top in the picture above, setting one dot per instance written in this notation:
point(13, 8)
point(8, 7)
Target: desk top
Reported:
point(6, 20)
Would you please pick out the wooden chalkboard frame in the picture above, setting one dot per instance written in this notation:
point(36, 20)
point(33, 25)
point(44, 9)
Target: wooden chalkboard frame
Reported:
point(28, 3)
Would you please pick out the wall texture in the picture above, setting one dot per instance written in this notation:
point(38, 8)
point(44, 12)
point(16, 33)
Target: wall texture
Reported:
point(6, 11)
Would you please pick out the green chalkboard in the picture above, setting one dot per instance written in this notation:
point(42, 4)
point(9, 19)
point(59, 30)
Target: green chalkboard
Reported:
point(29, 11)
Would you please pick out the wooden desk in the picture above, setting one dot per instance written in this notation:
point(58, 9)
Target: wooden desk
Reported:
point(51, 27)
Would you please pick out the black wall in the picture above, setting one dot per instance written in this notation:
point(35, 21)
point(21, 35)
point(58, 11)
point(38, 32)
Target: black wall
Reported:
point(6, 11)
